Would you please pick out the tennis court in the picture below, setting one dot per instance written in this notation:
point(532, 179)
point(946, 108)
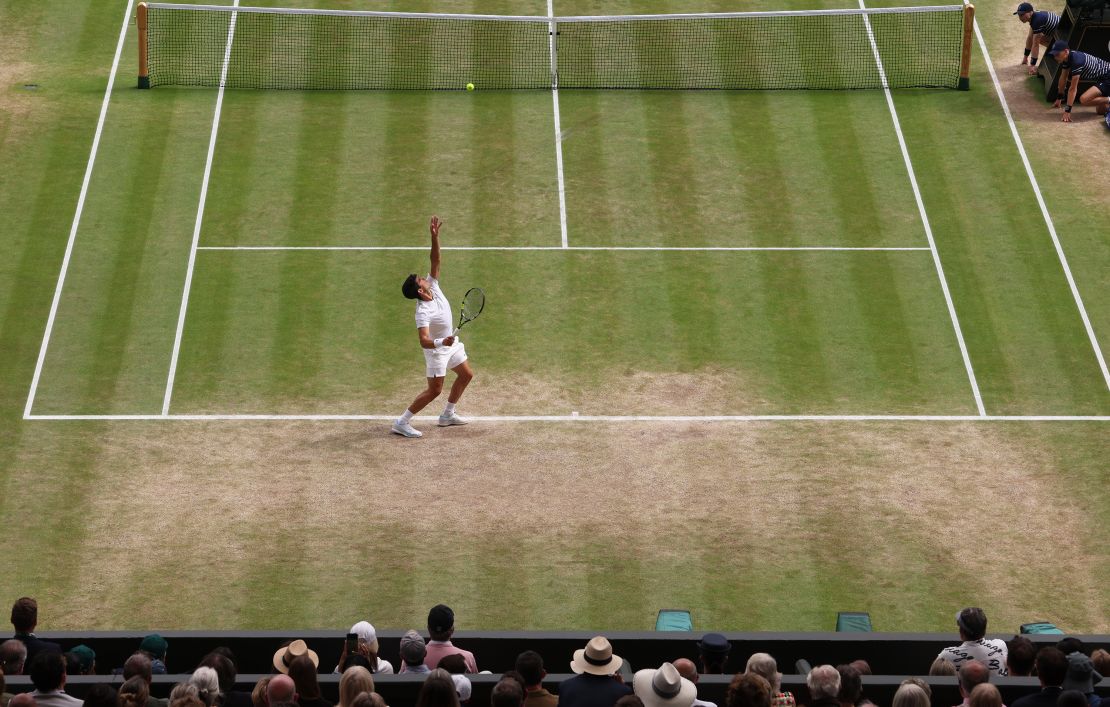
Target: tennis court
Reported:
point(777, 243)
point(872, 271)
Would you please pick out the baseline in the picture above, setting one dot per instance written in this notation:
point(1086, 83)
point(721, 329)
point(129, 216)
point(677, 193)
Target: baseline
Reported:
point(77, 215)
point(1044, 208)
point(595, 418)
point(924, 216)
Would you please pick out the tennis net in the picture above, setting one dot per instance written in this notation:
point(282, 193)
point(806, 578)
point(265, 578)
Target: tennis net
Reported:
point(280, 48)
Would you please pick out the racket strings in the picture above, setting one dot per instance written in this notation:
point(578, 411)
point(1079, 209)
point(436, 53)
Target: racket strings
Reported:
point(472, 304)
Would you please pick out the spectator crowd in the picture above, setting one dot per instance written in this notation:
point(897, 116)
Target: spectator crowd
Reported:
point(1067, 673)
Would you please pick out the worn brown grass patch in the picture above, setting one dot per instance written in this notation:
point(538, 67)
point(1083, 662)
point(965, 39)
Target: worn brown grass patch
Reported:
point(986, 506)
point(637, 392)
point(18, 105)
point(1038, 122)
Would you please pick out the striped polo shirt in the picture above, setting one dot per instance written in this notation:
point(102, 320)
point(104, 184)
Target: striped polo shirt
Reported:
point(1086, 66)
point(1043, 22)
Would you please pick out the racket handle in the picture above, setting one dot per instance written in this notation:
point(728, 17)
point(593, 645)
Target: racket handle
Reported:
point(456, 332)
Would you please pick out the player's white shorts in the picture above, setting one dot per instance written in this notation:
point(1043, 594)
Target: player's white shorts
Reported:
point(444, 359)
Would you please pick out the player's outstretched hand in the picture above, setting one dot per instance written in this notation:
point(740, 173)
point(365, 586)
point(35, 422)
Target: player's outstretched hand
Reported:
point(1032, 70)
point(1056, 103)
point(434, 226)
point(1067, 117)
point(1025, 60)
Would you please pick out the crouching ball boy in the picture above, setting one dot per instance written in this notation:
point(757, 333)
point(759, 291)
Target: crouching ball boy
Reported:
point(1041, 26)
point(442, 351)
point(1074, 67)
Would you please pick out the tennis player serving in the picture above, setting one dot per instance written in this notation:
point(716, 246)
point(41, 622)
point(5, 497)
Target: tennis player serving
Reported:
point(442, 349)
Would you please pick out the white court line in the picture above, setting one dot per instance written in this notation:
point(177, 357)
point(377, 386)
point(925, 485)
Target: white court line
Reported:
point(200, 216)
point(924, 216)
point(596, 418)
point(77, 216)
point(577, 247)
point(558, 123)
point(1044, 209)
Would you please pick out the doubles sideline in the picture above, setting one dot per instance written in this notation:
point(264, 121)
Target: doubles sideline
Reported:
point(77, 215)
point(1044, 209)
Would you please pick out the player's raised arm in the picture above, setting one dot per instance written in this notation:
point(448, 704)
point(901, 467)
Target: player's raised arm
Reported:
point(434, 228)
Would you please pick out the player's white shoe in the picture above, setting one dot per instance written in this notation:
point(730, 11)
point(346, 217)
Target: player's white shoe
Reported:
point(448, 419)
point(406, 430)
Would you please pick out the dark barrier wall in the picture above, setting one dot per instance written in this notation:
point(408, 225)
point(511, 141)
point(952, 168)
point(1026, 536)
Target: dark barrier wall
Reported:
point(888, 653)
point(401, 690)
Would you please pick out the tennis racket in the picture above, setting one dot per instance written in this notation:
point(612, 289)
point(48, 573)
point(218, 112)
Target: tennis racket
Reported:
point(473, 302)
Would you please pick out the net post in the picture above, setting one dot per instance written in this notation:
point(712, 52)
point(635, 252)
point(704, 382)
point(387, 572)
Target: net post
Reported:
point(965, 53)
point(144, 69)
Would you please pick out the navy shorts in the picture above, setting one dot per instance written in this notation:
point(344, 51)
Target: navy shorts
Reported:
point(1103, 85)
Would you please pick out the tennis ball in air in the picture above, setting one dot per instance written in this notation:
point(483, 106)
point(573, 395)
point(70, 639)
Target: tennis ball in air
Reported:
point(470, 87)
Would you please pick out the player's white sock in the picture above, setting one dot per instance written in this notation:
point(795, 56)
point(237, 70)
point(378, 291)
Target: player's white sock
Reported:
point(406, 416)
point(449, 409)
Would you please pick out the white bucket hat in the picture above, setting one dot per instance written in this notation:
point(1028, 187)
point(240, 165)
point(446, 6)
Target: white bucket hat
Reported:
point(663, 687)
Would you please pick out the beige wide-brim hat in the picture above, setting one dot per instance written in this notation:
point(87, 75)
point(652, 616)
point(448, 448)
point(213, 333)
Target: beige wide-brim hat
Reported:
point(663, 687)
point(596, 658)
point(294, 650)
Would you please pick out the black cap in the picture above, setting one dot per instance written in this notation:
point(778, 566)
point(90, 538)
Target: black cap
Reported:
point(440, 619)
point(1024, 8)
point(1059, 46)
point(714, 643)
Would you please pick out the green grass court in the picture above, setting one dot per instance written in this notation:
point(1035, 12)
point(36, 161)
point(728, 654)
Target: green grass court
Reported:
point(748, 254)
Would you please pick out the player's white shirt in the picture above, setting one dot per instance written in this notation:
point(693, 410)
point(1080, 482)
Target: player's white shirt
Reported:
point(435, 313)
point(991, 651)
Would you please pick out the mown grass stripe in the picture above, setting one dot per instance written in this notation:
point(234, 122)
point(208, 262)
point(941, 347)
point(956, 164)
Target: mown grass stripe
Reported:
point(873, 287)
point(582, 135)
point(235, 171)
point(303, 282)
point(124, 261)
point(784, 282)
